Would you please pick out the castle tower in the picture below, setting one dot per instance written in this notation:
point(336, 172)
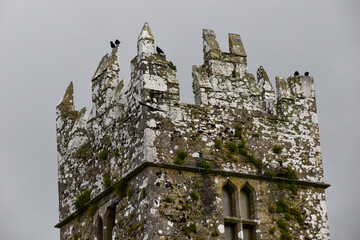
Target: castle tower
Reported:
point(243, 162)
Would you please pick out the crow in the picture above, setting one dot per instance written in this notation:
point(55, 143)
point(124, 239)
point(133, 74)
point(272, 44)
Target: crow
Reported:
point(306, 73)
point(159, 51)
point(296, 73)
point(112, 44)
point(117, 42)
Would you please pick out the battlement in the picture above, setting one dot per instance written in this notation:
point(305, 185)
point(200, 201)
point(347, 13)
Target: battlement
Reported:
point(238, 124)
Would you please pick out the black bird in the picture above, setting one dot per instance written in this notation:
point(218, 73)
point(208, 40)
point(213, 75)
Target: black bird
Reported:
point(296, 73)
point(112, 44)
point(159, 51)
point(117, 42)
point(306, 73)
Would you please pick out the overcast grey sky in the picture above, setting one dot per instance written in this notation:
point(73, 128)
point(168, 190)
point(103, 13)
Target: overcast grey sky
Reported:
point(46, 44)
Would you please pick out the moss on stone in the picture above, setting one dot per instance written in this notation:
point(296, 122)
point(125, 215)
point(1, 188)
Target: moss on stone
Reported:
point(143, 192)
point(238, 131)
point(277, 149)
point(205, 164)
point(272, 230)
point(82, 199)
point(180, 157)
point(92, 209)
point(104, 154)
point(106, 180)
point(120, 188)
point(255, 135)
point(290, 173)
point(77, 236)
point(218, 143)
point(171, 65)
point(168, 199)
point(231, 146)
point(270, 173)
point(194, 195)
point(191, 228)
point(282, 206)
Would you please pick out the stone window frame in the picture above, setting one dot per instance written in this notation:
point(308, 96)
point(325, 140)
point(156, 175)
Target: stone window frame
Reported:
point(236, 220)
point(99, 228)
point(109, 222)
point(252, 222)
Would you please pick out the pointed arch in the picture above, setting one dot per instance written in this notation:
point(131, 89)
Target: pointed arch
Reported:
point(99, 228)
point(229, 192)
point(230, 210)
point(109, 222)
point(247, 211)
point(247, 199)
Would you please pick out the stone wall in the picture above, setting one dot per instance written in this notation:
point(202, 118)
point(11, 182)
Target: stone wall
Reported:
point(238, 130)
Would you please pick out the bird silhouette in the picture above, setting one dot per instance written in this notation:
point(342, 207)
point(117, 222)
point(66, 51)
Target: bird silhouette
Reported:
point(159, 51)
point(117, 42)
point(296, 73)
point(112, 44)
point(306, 73)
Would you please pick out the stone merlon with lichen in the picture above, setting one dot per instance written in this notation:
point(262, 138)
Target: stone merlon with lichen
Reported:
point(143, 165)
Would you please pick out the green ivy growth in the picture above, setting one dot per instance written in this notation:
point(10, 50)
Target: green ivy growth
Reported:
point(172, 66)
point(190, 229)
point(284, 229)
point(143, 192)
point(290, 173)
point(290, 186)
point(205, 164)
point(272, 230)
point(180, 157)
point(277, 149)
point(104, 154)
point(255, 135)
point(82, 199)
point(77, 236)
point(289, 213)
point(238, 131)
point(168, 199)
point(270, 173)
point(81, 153)
point(106, 181)
point(231, 146)
point(194, 195)
point(120, 188)
point(92, 209)
point(215, 234)
point(218, 143)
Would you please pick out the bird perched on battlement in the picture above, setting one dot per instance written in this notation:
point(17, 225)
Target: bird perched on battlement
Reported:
point(159, 51)
point(117, 42)
point(112, 44)
point(306, 74)
point(296, 73)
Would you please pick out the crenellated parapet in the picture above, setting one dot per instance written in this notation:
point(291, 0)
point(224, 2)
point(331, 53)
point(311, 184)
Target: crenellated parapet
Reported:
point(239, 126)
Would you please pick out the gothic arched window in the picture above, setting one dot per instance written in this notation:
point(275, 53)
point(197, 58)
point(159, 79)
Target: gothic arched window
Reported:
point(230, 211)
point(99, 228)
point(238, 212)
point(109, 222)
point(247, 213)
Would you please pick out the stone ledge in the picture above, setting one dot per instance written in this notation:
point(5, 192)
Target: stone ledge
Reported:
point(143, 166)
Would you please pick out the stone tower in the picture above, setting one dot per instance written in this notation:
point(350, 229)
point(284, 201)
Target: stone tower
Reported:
point(243, 162)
